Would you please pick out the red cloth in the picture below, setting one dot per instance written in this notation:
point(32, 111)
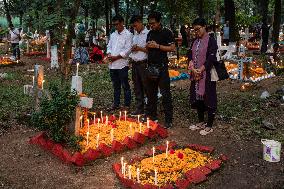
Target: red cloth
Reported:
point(95, 53)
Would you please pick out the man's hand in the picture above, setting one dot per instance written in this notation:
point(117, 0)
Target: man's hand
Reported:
point(153, 45)
point(114, 58)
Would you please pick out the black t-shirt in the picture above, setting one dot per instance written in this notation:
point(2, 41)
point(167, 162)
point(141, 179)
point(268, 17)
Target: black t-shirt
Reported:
point(162, 37)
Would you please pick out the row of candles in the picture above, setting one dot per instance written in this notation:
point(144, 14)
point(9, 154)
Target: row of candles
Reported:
point(253, 78)
point(123, 167)
point(112, 129)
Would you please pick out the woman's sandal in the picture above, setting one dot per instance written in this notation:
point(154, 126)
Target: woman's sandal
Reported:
point(198, 126)
point(206, 131)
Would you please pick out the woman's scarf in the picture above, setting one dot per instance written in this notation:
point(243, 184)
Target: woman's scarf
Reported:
point(199, 51)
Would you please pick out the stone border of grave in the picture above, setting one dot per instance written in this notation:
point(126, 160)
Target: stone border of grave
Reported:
point(192, 177)
point(103, 150)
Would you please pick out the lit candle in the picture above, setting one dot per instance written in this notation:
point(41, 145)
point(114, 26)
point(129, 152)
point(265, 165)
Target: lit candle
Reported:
point(124, 169)
point(138, 118)
point(106, 119)
point(42, 84)
point(153, 154)
point(129, 171)
point(81, 121)
point(98, 139)
point(94, 118)
point(111, 134)
point(99, 122)
point(121, 161)
point(88, 138)
point(17, 61)
point(156, 177)
point(77, 70)
point(140, 129)
point(102, 116)
point(125, 115)
point(33, 81)
point(167, 149)
point(148, 122)
point(138, 175)
point(119, 115)
point(88, 123)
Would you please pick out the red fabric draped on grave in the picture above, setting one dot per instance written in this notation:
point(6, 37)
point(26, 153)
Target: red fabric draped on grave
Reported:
point(103, 150)
point(193, 176)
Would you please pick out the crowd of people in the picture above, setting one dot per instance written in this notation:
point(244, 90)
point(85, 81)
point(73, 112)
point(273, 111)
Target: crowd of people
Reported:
point(146, 52)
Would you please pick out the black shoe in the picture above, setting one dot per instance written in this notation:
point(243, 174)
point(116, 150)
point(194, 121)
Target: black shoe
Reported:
point(168, 125)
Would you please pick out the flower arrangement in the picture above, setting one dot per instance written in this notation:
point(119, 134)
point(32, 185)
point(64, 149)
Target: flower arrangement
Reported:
point(98, 141)
point(171, 167)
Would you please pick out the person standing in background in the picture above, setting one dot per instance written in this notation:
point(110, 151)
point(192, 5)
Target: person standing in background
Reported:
point(138, 59)
point(118, 50)
point(15, 38)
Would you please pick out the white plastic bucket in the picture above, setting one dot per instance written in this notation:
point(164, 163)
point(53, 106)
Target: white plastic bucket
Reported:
point(271, 150)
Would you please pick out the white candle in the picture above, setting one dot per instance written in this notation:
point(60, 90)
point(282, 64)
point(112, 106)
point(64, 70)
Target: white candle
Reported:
point(121, 161)
point(148, 122)
point(125, 115)
point(167, 149)
point(119, 115)
point(138, 175)
point(124, 169)
point(88, 138)
point(17, 61)
point(99, 122)
point(98, 139)
point(42, 84)
point(81, 121)
point(33, 81)
point(140, 129)
point(111, 134)
point(77, 70)
point(138, 118)
point(129, 171)
point(102, 116)
point(156, 177)
point(106, 119)
point(153, 154)
point(94, 118)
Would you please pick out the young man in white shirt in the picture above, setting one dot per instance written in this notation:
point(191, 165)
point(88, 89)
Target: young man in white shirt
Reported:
point(138, 59)
point(15, 38)
point(118, 50)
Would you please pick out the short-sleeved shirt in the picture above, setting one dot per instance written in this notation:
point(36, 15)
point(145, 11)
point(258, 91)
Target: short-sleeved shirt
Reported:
point(163, 37)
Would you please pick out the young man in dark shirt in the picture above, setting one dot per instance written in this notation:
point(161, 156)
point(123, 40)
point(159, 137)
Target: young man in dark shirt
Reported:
point(159, 41)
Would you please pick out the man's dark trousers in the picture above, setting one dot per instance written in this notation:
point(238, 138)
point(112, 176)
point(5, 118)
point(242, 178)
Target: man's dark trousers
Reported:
point(138, 78)
point(163, 82)
point(119, 78)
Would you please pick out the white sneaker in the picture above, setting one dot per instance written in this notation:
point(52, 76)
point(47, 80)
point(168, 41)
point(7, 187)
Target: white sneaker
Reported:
point(206, 131)
point(197, 126)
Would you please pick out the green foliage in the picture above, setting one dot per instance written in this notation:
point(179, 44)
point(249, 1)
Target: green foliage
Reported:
point(56, 113)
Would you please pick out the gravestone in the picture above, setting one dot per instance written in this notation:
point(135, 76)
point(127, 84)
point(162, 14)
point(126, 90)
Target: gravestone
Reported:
point(47, 44)
point(54, 57)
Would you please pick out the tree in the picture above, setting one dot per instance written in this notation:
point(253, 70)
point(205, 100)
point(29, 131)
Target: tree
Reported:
point(200, 8)
point(8, 15)
point(230, 16)
point(116, 6)
point(277, 21)
point(264, 27)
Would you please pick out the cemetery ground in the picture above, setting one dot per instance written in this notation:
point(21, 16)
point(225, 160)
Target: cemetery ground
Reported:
point(237, 134)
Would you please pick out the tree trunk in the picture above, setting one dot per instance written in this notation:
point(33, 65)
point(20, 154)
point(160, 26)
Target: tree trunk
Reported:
point(21, 19)
point(200, 8)
point(217, 15)
point(8, 15)
point(230, 15)
point(107, 17)
point(116, 6)
point(141, 6)
point(127, 13)
point(70, 35)
point(86, 17)
point(264, 27)
point(277, 21)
